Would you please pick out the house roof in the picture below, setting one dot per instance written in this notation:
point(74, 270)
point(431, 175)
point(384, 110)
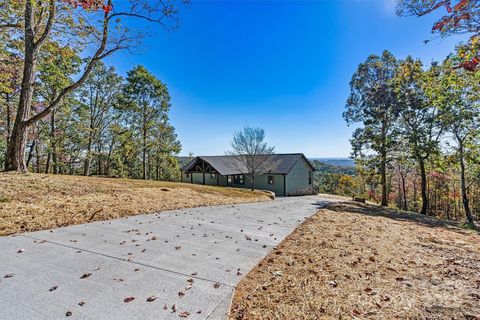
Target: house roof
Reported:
point(229, 165)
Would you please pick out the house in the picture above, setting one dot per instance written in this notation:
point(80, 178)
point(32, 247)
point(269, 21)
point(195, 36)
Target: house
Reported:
point(288, 174)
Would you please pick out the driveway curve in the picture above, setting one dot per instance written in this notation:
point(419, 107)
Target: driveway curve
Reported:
point(168, 265)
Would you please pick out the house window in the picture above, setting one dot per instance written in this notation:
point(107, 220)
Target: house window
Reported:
point(239, 179)
point(213, 176)
point(271, 180)
point(229, 179)
point(309, 177)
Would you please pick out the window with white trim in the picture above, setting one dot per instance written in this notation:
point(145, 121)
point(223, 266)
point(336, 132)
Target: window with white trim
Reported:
point(271, 180)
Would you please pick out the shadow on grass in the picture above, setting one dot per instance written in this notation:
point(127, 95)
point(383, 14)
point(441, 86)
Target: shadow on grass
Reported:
point(378, 211)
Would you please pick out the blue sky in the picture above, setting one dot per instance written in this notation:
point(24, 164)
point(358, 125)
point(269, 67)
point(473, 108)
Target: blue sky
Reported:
point(282, 66)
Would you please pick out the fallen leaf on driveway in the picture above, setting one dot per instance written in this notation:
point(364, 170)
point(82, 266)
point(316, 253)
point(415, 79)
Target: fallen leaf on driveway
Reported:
point(53, 288)
point(129, 299)
point(81, 303)
point(216, 285)
point(152, 298)
point(21, 250)
point(184, 314)
point(68, 314)
point(174, 308)
point(9, 275)
point(85, 275)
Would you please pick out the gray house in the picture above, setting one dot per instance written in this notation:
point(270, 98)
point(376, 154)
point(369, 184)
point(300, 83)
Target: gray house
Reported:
point(288, 174)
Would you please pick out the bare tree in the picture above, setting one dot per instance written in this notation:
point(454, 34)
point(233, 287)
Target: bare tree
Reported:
point(253, 155)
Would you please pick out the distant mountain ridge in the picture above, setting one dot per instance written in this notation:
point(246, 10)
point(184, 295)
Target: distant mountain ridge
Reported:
point(338, 162)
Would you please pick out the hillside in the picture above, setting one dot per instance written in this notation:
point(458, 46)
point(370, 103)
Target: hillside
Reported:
point(325, 167)
point(337, 162)
point(37, 201)
point(354, 261)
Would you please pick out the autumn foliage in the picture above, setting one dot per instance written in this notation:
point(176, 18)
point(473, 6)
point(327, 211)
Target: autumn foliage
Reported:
point(461, 16)
point(91, 4)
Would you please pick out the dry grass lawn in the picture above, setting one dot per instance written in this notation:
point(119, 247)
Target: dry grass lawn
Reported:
point(30, 202)
point(354, 261)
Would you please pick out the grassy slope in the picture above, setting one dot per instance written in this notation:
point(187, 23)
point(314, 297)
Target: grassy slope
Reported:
point(37, 201)
point(353, 261)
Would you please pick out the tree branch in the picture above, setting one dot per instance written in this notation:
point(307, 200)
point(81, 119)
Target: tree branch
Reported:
point(48, 27)
point(10, 25)
point(82, 79)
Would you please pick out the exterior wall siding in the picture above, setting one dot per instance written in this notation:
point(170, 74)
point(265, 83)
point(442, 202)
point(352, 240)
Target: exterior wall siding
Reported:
point(261, 182)
point(297, 178)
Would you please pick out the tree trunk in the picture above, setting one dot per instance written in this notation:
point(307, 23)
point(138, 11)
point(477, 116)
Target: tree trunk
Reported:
point(383, 172)
point(54, 143)
point(99, 164)
point(404, 191)
point(253, 183)
point(423, 186)
point(144, 154)
point(463, 187)
point(8, 121)
point(47, 165)
point(15, 157)
point(30, 152)
point(86, 166)
point(37, 157)
point(415, 204)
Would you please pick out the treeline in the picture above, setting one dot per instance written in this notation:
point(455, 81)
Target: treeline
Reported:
point(416, 144)
point(110, 125)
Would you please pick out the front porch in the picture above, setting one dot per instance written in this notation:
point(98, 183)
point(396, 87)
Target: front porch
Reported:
point(201, 172)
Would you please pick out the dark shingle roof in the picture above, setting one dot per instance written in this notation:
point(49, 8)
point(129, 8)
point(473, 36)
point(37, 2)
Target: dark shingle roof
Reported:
point(228, 165)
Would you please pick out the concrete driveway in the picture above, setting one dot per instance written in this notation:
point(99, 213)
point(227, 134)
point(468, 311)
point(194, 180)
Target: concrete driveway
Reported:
point(171, 265)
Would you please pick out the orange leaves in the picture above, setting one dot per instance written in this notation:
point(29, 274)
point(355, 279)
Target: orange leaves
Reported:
point(461, 5)
point(470, 65)
point(90, 5)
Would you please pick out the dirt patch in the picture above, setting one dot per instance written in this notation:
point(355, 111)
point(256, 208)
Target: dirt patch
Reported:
point(355, 261)
point(30, 202)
